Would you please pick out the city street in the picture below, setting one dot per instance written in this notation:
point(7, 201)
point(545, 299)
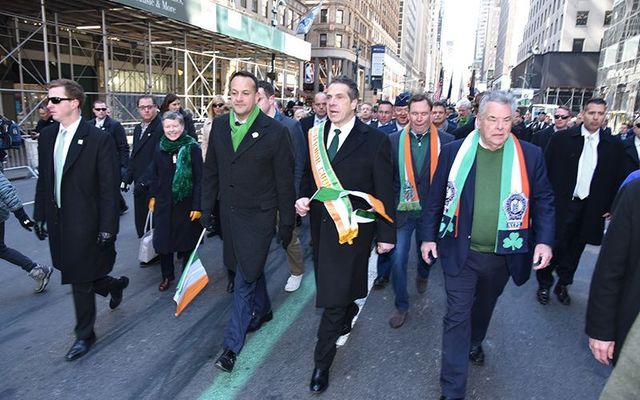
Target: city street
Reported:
point(145, 352)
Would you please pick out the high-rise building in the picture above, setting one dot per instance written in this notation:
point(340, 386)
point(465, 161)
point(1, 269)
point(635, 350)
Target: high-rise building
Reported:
point(619, 66)
point(412, 41)
point(513, 17)
point(486, 37)
point(434, 45)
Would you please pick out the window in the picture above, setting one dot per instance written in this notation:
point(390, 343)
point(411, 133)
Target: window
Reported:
point(607, 17)
point(339, 16)
point(323, 16)
point(578, 44)
point(338, 40)
point(254, 6)
point(265, 12)
point(581, 18)
point(323, 40)
point(243, 3)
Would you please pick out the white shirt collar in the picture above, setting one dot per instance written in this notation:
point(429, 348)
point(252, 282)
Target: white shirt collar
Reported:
point(345, 128)
point(317, 120)
point(636, 141)
point(71, 129)
point(586, 133)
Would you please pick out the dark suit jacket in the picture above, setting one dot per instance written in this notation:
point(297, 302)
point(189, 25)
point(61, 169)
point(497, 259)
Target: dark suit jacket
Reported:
point(252, 185)
point(116, 130)
point(461, 132)
point(298, 144)
point(562, 156)
point(631, 161)
point(389, 128)
point(144, 148)
point(422, 177)
point(614, 299)
point(189, 126)
point(362, 163)
point(522, 132)
point(453, 251)
point(541, 138)
point(89, 196)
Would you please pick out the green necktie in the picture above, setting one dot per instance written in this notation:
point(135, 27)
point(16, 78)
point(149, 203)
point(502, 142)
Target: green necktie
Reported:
point(59, 159)
point(333, 146)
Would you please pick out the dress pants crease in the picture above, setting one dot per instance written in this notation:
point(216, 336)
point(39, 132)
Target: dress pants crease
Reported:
point(85, 303)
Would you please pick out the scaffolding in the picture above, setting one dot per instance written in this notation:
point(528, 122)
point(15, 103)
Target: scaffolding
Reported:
point(117, 53)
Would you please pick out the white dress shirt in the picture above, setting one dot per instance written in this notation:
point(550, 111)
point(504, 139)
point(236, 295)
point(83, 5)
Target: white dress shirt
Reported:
point(99, 123)
point(585, 172)
point(318, 121)
point(344, 132)
point(65, 141)
point(636, 141)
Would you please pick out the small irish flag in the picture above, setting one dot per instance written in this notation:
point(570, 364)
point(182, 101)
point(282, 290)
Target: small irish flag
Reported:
point(193, 280)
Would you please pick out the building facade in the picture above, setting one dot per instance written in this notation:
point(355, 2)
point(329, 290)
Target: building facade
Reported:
point(513, 18)
point(413, 36)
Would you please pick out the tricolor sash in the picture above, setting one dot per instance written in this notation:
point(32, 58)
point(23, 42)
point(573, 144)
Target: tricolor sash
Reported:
point(409, 196)
point(334, 196)
point(513, 217)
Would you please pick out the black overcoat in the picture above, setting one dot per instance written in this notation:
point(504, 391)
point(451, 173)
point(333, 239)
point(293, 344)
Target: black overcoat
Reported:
point(144, 147)
point(362, 163)
point(632, 162)
point(173, 229)
point(562, 156)
point(252, 185)
point(116, 130)
point(89, 196)
point(614, 299)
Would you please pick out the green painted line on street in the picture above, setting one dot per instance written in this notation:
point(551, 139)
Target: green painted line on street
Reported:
point(226, 386)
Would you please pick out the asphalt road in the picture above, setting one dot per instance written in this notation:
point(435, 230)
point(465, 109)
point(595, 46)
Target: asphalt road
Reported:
point(145, 352)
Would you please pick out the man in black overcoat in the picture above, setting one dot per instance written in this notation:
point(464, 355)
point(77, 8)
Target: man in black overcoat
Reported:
point(146, 138)
point(249, 171)
point(632, 147)
point(319, 112)
point(361, 158)
point(114, 128)
point(561, 117)
point(585, 169)
point(77, 202)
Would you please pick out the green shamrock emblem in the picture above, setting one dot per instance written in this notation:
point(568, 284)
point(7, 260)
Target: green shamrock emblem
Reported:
point(514, 241)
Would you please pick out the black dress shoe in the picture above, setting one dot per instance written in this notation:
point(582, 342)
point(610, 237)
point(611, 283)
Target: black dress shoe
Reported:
point(543, 295)
point(319, 380)
point(380, 282)
point(80, 347)
point(256, 324)
point(476, 355)
point(562, 294)
point(116, 294)
point(226, 361)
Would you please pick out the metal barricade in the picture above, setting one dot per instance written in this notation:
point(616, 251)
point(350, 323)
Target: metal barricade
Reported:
point(25, 157)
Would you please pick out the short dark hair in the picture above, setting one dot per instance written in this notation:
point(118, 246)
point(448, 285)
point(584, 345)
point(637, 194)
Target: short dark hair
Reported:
point(439, 104)
point(245, 74)
point(353, 91)
point(168, 99)
point(72, 89)
point(416, 98)
point(595, 100)
point(385, 103)
point(542, 113)
point(267, 87)
point(98, 101)
point(146, 96)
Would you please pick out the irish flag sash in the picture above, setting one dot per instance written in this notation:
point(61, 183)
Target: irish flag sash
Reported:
point(513, 217)
point(334, 196)
point(409, 197)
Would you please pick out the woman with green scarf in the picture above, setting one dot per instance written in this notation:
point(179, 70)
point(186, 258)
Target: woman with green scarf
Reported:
point(175, 191)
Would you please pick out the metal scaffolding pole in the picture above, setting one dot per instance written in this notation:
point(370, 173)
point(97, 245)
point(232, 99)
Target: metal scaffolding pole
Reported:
point(59, 64)
point(71, 55)
point(184, 73)
point(23, 101)
point(45, 43)
point(150, 57)
point(105, 57)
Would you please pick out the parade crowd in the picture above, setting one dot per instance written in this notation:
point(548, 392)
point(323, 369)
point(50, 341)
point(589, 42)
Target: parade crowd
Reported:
point(481, 187)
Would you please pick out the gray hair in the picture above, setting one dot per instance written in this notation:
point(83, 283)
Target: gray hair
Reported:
point(500, 97)
point(463, 103)
point(173, 115)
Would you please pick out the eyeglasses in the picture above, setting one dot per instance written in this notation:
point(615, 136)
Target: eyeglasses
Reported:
point(561, 116)
point(58, 100)
point(218, 105)
point(100, 109)
point(151, 107)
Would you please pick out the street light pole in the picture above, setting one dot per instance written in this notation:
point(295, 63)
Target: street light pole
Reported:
point(357, 49)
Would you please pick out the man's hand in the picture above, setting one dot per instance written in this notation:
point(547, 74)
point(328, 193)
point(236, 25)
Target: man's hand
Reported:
point(124, 187)
point(24, 219)
point(429, 251)
point(194, 215)
point(542, 255)
point(382, 247)
point(152, 204)
point(105, 238)
point(602, 350)
point(41, 230)
point(302, 206)
point(285, 234)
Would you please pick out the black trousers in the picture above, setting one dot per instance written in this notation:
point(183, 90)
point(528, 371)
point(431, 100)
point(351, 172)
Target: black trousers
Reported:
point(141, 208)
point(14, 256)
point(166, 263)
point(568, 249)
point(85, 303)
point(331, 326)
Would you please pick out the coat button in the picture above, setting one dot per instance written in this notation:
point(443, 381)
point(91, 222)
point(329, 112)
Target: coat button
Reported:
point(324, 220)
point(469, 237)
point(231, 186)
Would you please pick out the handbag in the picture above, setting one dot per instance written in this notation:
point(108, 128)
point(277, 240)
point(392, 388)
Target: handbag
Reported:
point(147, 252)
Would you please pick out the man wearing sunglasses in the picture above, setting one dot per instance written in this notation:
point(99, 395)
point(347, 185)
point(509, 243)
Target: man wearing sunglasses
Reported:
point(632, 146)
point(105, 123)
point(561, 119)
point(76, 202)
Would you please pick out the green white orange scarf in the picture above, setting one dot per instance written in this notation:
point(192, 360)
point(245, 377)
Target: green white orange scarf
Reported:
point(513, 217)
point(334, 196)
point(409, 197)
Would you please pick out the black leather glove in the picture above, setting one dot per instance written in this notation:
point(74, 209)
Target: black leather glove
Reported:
point(40, 228)
point(285, 233)
point(105, 238)
point(140, 188)
point(207, 220)
point(24, 219)
point(124, 186)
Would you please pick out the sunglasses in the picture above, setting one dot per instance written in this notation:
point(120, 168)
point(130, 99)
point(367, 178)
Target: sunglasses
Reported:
point(638, 125)
point(58, 100)
point(218, 105)
point(561, 116)
point(100, 109)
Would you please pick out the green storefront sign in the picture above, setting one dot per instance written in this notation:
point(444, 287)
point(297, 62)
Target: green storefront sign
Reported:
point(206, 14)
